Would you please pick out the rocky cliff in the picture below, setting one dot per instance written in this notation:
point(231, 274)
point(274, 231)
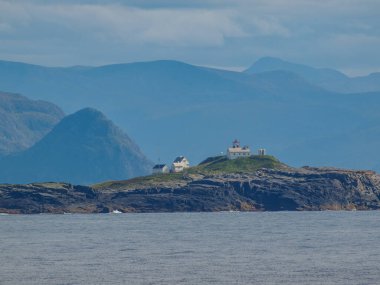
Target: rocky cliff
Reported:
point(263, 190)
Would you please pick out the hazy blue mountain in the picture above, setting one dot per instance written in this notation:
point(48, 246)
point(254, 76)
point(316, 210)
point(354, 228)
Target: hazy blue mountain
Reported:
point(324, 77)
point(172, 108)
point(316, 75)
point(23, 121)
point(338, 150)
point(362, 83)
point(84, 147)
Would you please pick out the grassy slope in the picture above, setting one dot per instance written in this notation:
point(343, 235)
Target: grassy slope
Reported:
point(221, 164)
point(143, 181)
point(212, 165)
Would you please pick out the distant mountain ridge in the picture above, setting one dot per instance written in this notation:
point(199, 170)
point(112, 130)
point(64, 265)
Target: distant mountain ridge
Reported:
point(84, 147)
point(172, 108)
point(327, 78)
point(23, 121)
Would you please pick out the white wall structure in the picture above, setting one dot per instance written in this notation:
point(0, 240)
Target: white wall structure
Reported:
point(160, 168)
point(180, 163)
point(237, 151)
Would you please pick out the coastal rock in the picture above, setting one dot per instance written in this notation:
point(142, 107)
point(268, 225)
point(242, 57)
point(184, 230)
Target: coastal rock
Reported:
point(303, 189)
point(46, 198)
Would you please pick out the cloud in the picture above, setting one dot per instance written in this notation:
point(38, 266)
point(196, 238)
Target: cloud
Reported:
point(5, 27)
point(208, 32)
point(118, 23)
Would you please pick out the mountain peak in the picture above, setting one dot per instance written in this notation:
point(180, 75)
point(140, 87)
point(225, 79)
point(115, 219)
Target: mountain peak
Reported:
point(86, 124)
point(268, 63)
point(85, 147)
point(24, 121)
point(90, 111)
point(90, 115)
point(270, 59)
point(318, 76)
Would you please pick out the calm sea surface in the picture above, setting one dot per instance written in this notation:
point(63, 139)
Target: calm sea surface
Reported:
point(191, 248)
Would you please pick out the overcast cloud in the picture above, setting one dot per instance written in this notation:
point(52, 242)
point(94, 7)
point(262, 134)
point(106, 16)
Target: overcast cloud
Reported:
point(343, 34)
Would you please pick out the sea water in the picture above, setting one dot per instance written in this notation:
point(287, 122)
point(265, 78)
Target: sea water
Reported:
point(191, 248)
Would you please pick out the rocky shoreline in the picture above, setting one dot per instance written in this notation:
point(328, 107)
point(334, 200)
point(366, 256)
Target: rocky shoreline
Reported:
point(292, 189)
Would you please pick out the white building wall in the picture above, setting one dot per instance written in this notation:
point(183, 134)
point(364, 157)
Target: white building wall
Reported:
point(180, 166)
point(236, 153)
point(165, 169)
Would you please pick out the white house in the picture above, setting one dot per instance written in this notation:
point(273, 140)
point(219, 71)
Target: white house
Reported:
point(160, 168)
point(237, 151)
point(180, 163)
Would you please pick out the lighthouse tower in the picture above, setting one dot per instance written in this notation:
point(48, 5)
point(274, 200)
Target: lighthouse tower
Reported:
point(235, 144)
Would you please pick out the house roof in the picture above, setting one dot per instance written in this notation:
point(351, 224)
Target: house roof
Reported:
point(179, 159)
point(159, 166)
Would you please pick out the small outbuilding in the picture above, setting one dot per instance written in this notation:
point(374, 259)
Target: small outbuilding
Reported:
point(262, 151)
point(180, 163)
point(160, 168)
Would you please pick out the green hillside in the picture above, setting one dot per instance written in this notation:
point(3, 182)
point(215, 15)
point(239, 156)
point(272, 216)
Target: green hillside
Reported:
point(220, 164)
point(212, 165)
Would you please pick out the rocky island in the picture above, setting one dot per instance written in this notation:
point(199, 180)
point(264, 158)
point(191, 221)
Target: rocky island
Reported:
point(257, 183)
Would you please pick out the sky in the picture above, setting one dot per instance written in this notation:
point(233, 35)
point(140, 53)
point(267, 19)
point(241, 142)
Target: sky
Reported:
point(341, 34)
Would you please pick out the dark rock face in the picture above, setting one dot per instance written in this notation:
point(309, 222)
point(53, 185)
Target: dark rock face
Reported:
point(46, 198)
point(266, 190)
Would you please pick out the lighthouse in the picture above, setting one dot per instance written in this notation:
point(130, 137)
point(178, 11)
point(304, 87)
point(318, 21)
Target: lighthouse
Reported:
point(237, 151)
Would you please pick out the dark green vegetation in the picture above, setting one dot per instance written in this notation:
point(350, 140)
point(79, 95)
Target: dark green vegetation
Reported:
point(172, 108)
point(23, 122)
point(144, 181)
point(84, 148)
